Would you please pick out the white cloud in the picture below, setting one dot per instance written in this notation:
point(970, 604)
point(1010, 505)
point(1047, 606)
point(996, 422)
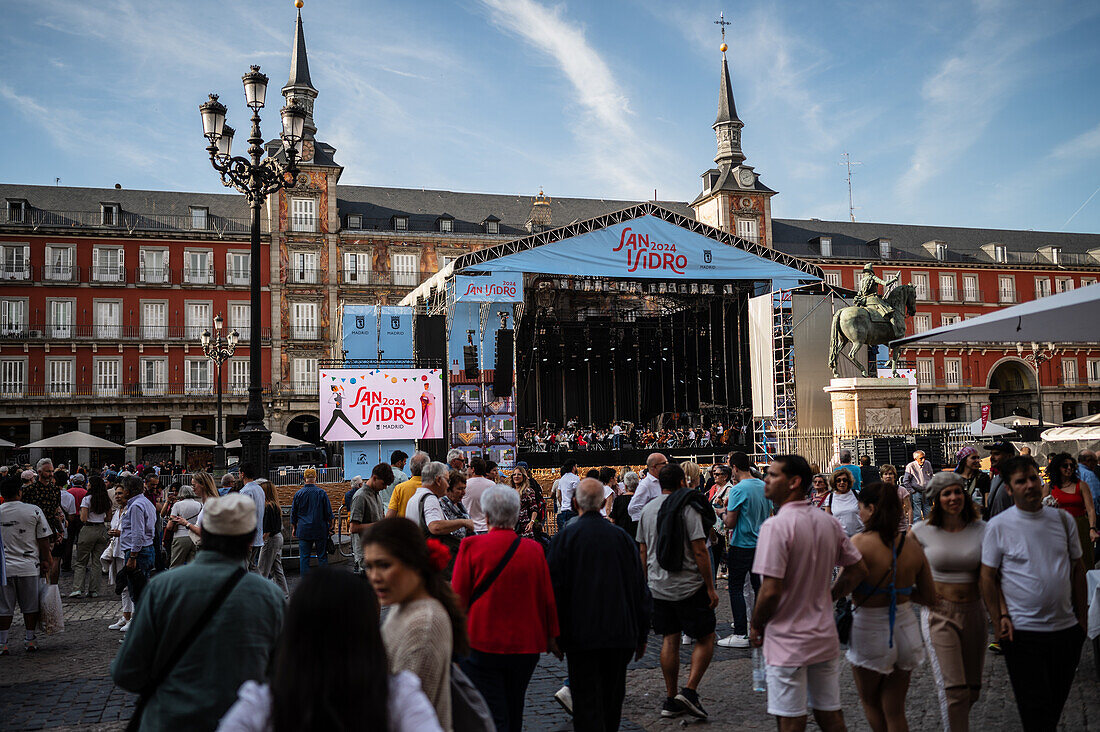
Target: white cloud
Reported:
point(1081, 147)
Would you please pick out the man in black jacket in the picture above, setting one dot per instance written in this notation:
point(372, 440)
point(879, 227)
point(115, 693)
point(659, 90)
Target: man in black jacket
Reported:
point(591, 557)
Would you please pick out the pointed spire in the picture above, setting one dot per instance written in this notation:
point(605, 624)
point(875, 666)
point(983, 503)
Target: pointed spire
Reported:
point(727, 109)
point(727, 126)
point(299, 64)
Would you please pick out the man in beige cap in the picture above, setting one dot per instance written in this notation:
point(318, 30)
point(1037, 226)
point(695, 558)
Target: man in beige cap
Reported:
point(209, 614)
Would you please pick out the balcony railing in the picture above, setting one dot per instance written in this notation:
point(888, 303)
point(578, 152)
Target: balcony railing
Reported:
point(356, 277)
point(1007, 297)
point(114, 275)
point(973, 295)
point(198, 276)
point(154, 276)
point(128, 221)
point(115, 389)
point(237, 278)
point(299, 276)
point(148, 333)
point(15, 272)
point(946, 383)
point(58, 273)
point(306, 333)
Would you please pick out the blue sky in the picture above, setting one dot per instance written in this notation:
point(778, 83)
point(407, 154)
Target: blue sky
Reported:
point(982, 113)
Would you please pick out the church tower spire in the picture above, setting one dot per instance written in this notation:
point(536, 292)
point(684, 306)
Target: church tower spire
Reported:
point(727, 127)
point(299, 88)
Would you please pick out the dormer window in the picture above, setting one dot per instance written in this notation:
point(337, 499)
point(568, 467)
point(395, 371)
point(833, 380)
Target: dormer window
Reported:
point(1000, 253)
point(446, 223)
point(400, 223)
point(941, 251)
point(355, 221)
point(492, 225)
point(198, 217)
point(1056, 255)
point(884, 249)
point(108, 214)
point(17, 212)
point(826, 245)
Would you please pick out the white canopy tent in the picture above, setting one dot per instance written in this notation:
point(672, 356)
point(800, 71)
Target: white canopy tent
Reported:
point(1016, 421)
point(278, 439)
point(1072, 434)
point(172, 438)
point(992, 429)
point(1091, 419)
point(74, 440)
point(1068, 317)
point(5, 443)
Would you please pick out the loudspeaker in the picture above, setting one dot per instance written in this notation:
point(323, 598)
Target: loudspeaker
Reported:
point(502, 376)
point(469, 354)
point(431, 341)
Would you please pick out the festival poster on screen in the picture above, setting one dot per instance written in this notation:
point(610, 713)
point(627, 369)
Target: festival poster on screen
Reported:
point(381, 404)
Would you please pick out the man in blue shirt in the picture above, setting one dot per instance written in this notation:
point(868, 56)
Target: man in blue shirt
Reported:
point(1086, 471)
point(746, 511)
point(137, 532)
point(255, 491)
point(311, 521)
point(846, 463)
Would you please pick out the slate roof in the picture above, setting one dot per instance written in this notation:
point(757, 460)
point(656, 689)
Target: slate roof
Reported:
point(68, 198)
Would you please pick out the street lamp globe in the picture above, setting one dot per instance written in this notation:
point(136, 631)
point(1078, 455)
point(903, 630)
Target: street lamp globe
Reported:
point(255, 88)
point(204, 338)
point(294, 120)
point(225, 142)
point(233, 338)
point(218, 322)
point(213, 118)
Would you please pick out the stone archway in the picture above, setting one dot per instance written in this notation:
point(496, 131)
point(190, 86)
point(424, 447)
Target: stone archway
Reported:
point(1012, 381)
point(305, 427)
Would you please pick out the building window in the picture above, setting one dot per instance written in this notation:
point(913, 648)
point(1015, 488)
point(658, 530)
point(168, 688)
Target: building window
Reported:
point(303, 214)
point(153, 381)
point(1056, 255)
point(199, 269)
point(920, 284)
point(826, 245)
point(446, 225)
point(1069, 371)
point(1093, 366)
point(17, 211)
point(952, 372)
point(197, 318)
point(196, 376)
point(1006, 288)
point(947, 288)
point(304, 323)
point(1063, 284)
point(401, 223)
point(17, 262)
point(108, 214)
point(970, 289)
point(61, 318)
point(924, 371)
point(153, 266)
point(941, 251)
point(13, 376)
point(154, 321)
point(921, 323)
point(240, 319)
point(238, 376)
point(1042, 287)
point(198, 217)
point(406, 269)
point(884, 248)
point(106, 377)
point(304, 268)
point(59, 376)
point(355, 221)
point(59, 264)
point(949, 319)
point(746, 229)
point(1086, 281)
point(13, 318)
point(832, 278)
point(238, 268)
point(1069, 411)
point(304, 376)
point(108, 264)
point(357, 268)
point(492, 227)
point(108, 319)
point(1000, 253)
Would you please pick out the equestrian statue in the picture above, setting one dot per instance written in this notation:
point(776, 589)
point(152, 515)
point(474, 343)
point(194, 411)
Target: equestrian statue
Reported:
point(873, 320)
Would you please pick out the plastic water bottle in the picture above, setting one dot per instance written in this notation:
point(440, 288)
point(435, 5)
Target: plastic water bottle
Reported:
point(758, 670)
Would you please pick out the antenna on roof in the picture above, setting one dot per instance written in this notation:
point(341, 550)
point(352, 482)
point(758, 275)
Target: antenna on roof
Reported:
point(57, 181)
point(848, 163)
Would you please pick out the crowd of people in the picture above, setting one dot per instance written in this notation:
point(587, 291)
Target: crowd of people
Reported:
point(457, 587)
point(626, 435)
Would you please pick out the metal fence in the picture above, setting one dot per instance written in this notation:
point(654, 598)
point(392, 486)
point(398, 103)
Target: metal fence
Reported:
point(821, 446)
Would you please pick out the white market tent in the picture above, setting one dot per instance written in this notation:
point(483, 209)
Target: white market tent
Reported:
point(1072, 434)
point(1091, 419)
point(1068, 317)
point(5, 443)
point(1015, 421)
point(75, 440)
point(992, 429)
point(278, 439)
point(172, 438)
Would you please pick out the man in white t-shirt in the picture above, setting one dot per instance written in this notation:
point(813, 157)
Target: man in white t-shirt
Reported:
point(430, 519)
point(567, 486)
point(649, 487)
point(1031, 557)
point(616, 436)
point(26, 537)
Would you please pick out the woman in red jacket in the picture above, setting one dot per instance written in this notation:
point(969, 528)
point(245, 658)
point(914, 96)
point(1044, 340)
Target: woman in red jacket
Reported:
point(504, 583)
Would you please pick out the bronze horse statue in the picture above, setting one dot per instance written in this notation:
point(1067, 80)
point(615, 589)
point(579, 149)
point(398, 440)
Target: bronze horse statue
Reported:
point(858, 326)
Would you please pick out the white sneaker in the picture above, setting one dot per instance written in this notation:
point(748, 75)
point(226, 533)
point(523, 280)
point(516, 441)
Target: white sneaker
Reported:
point(125, 626)
point(734, 641)
point(565, 697)
point(76, 593)
point(685, 639)
point(117, 625)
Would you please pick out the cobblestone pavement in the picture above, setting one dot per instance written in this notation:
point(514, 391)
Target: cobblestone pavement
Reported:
point(66, 685)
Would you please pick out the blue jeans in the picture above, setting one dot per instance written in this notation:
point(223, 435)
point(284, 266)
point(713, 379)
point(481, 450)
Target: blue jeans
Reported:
point(920, 506)
point(146, 558)
point(308, 546)
point(502, 679)
point(616, 441)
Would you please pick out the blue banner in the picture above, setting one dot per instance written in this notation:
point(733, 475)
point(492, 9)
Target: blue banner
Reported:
point(645, 248)
point(360, 331)
point(395, 334)
point(361, 457)
point(492, 288)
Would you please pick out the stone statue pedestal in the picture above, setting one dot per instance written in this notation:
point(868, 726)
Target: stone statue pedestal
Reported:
point(866, 406)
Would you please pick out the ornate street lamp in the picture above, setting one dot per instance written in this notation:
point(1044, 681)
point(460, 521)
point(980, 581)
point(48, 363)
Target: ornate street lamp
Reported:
point(256, 178)
point(218, 347)
point(1038, 356)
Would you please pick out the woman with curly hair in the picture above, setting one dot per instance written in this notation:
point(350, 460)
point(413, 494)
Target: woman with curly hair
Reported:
point(842, 502)
point(1064, 490)
point(425, 625)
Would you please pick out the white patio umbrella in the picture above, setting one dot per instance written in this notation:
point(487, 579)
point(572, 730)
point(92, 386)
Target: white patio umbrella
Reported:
point(992, 429)
point(1016, 421)
point(75, 439)
point(5, 443)
point(172, 438)
point(1091, 419)
point(1072, 434)
point(278, 439)
point(1068, 317)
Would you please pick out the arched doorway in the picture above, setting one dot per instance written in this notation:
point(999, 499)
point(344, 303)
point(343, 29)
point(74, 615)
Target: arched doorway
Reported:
point(305, 427)
point(1014, 384)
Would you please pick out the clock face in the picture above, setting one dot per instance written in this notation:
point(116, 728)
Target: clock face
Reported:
point(307, 151)
point(745, 177)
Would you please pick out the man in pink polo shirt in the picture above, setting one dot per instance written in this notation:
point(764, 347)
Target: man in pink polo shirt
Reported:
point(793, 619)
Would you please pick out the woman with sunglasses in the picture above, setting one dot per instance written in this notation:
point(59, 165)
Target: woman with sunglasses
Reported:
point(1074, 497)
point(842, 503)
